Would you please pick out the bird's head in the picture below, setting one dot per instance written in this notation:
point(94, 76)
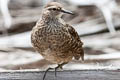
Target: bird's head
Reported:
point(55, 9)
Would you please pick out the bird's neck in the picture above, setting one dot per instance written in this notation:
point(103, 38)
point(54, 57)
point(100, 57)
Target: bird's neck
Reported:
point(50, 19)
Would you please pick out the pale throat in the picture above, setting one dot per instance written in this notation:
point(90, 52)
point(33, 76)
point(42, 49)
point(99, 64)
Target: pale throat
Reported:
point(52, 18)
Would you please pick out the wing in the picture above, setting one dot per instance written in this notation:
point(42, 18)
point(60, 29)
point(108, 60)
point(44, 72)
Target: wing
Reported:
point(78, 50)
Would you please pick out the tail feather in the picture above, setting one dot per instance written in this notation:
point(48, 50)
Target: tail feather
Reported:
point(80, 55)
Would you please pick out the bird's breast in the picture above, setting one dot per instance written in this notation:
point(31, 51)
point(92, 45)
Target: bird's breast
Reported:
point(49, 37)
point(49, 43)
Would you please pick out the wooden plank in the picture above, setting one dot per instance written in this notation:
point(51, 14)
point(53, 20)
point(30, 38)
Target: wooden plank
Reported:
point(62, 75)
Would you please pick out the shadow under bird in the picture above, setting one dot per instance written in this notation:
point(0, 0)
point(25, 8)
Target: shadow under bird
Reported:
point(54, 39)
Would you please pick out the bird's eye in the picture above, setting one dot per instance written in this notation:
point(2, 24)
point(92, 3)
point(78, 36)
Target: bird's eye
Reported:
point(54, 9)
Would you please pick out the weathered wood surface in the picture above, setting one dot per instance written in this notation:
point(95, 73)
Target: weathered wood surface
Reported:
point(63, 75)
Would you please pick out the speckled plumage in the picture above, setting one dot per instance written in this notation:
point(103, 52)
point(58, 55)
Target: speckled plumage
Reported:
point(55, 40)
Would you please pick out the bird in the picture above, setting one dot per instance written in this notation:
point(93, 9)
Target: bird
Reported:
point(56, 40)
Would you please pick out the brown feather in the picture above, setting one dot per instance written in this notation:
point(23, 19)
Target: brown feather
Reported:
point(55, 40)
point(79, 50)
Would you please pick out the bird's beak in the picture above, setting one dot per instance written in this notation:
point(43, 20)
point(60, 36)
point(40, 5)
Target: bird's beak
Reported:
point(66, 11)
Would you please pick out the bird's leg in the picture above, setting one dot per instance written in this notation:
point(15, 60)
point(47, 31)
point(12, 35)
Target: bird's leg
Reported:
point(46, 72)
point(59, 66)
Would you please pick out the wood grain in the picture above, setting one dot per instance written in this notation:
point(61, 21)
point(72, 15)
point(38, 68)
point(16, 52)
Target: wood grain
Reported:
point(63, 75)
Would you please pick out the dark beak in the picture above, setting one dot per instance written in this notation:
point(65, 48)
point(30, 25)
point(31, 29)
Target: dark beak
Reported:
point(66, 11)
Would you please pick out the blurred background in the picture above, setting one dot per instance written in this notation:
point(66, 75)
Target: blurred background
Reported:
point(96, 21)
